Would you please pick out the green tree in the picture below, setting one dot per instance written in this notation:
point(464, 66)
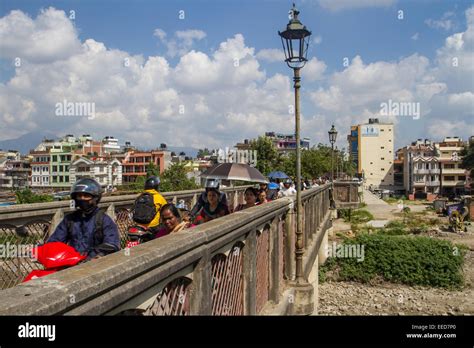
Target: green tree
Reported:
point(152, 169)
point(27, 196)
point(203, 152)
point(267, 154)
point(467, 154)
point(174, 179)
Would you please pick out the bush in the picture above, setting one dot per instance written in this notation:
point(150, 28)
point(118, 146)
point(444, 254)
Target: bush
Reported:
point(401, 259)
point(394, 228)
point(28, 196)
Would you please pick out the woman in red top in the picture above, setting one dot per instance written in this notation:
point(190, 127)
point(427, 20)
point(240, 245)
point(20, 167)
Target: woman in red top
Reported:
point(212, 209)
point(172, 221)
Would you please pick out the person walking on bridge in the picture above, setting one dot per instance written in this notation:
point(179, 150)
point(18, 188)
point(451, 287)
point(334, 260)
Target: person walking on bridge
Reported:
point(210, 184)
point(288, 190)
point(250, 196)
point(88, 230)
point(213, 208)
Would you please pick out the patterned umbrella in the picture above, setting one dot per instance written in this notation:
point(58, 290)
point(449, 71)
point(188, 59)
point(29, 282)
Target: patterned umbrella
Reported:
point(234, 171)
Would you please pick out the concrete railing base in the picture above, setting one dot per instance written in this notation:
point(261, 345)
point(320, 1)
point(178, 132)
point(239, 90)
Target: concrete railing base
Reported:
point(304, 299)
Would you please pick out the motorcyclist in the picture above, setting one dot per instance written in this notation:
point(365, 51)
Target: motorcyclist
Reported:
point(88, 229)
point(210, 184)
point(152, 185)
point(288, 190)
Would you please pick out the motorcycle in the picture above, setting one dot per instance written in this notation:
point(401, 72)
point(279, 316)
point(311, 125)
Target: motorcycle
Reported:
point(56, 256)
point(138, 234)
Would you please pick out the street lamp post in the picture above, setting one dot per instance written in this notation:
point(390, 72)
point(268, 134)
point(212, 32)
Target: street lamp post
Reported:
point(295, 41)
point(332, 139)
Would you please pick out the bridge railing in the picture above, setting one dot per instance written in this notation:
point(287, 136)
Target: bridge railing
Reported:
point(235, 265)
point(28, 224)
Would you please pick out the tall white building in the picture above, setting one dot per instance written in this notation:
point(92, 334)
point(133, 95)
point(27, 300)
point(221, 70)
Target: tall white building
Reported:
point(372, 149)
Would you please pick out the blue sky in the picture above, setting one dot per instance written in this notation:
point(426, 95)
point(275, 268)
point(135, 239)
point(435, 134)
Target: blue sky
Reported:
point(373, 32)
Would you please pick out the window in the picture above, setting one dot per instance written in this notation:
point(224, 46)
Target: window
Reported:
point(462, 178)
point(382, 147)
point(383, 169)
point(61, 179)
point(68, 157)
point(55, 178)
point(449, 178)
point(66, 168)
point(66, 178)
point(55, 158)
point(449, 166)
point(55, 169)
point(383, 180)
point(383, 158)
point(60, 168)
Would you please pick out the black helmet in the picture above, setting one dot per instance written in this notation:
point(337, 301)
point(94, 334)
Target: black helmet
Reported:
point(212, 184)
point(87, 185)
point(152, 183)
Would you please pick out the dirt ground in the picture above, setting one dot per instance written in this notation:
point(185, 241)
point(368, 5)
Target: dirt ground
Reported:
point(384, 298)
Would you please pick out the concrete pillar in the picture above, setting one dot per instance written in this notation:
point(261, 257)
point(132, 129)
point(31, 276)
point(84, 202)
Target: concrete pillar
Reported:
point(200, 296)
point(250, 273)
point(322, 254)
point(313, 279)
point(274, 294)
point(290, 271)
point(57, 218)
point(111, 211)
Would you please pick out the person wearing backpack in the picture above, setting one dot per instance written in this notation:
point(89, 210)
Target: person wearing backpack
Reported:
point(147, 206)
point(88, 229)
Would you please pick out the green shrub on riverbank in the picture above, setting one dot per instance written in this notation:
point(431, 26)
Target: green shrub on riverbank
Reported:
point(400, 259)
point(355, 216)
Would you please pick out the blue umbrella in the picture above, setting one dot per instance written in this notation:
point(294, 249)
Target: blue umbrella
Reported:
point(277, 175)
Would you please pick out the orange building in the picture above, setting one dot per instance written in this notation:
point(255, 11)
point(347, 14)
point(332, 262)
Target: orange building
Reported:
point(136, 163)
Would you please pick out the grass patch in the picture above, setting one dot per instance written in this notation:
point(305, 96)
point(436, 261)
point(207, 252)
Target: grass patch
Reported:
point(400, 259)
point(355, 216)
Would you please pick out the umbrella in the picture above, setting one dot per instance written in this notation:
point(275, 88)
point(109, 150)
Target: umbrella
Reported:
point(277, 175)
point(234, 171)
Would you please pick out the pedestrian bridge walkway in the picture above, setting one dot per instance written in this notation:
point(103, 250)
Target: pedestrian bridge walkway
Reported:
point(240, 264)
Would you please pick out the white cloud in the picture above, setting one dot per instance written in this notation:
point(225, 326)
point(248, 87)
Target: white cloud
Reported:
point(50, 37)
point(415, 36)
point(317, 40)
point(339, 5)
point(446, 22)
point(271, 55)
point(314, 69)
point(182, 41)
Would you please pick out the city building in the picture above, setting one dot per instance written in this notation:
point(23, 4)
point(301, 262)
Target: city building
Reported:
point(110, 144)
point(453, 177)
point(40, 165)
point(372, 150)
point(421, 169)
point(135, 163)
point(14, 174)
point(286, 143)
point(107, 172)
